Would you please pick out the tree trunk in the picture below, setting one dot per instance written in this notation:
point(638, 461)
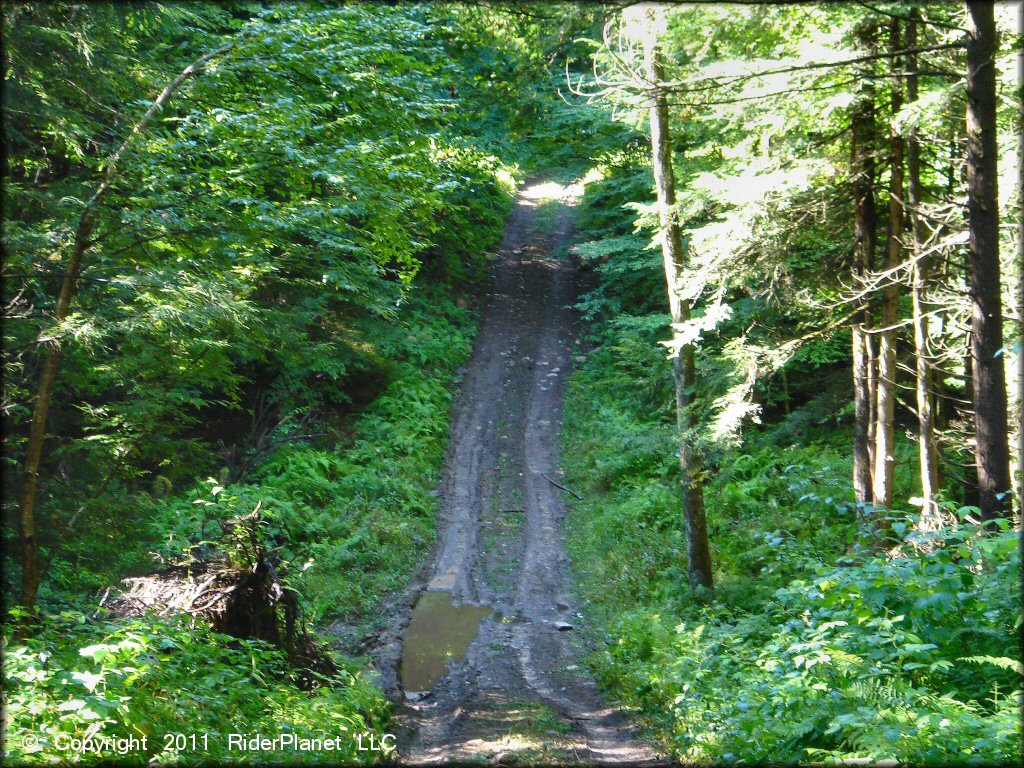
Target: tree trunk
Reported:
point(1020, 284)
point(886, 401)
point(871, 345)
point(29, 545)
point(992, 451)
point(786, 406)
point(697, 547)
point(862, 167)
point(923, 375)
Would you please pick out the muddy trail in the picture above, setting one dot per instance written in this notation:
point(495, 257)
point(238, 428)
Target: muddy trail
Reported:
point(488, 664)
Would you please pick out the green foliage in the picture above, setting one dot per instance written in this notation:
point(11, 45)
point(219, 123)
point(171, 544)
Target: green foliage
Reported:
point(906, 655)
point(275, 258)
point(512, 90)
point(265, 302)
point(826, 640)
point(80, 678)
point(346, 526)
point(831, 667)
point(257, 257)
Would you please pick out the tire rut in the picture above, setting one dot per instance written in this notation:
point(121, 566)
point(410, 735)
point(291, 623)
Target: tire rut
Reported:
point(520, 694)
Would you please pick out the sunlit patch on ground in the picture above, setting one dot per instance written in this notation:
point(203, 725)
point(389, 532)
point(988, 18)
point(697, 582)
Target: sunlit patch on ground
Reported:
point(518, 733)
point(534, 195)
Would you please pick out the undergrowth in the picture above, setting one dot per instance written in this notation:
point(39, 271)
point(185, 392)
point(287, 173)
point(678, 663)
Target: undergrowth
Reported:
point(349, 525)
point(79, 681)
point(806, 653)
point(818, 645)
point(345, 527)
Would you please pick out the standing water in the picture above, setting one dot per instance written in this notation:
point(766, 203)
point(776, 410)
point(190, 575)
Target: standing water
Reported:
point(438, 632)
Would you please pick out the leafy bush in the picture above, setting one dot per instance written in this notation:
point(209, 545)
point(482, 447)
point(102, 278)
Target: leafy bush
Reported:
point(911, 658)
point(148, 677)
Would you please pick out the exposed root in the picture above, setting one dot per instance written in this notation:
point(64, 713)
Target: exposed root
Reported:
point(243, 602)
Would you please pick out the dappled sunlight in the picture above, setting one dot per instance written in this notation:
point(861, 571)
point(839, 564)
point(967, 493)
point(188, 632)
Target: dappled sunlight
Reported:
point(547, 189)
point(497, 729)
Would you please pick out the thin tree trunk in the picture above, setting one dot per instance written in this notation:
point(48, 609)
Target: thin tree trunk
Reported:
point(29, 545)
point(942, 396)
point(886, 402)
point(862, 167)
point(697, 546)
point(923, 377)
point(786, 406)
point(992, 450)
point(1020, 283)
point(871, 345)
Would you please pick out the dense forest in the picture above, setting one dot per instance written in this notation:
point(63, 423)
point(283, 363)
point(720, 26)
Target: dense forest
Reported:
point(679, 344)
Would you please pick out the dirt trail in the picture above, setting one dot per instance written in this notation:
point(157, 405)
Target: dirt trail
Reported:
point(520, 695)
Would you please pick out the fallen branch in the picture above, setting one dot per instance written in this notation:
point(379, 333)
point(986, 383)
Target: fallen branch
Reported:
point(559, 485)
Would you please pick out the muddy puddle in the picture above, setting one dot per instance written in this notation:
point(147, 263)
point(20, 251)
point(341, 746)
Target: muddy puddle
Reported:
point(439, 632)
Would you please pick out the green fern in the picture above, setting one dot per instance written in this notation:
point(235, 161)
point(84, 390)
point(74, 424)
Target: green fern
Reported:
point(998, 661)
